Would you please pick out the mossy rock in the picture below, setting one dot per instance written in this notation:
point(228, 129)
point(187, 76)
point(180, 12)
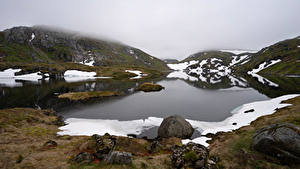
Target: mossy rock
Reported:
point(149, 87)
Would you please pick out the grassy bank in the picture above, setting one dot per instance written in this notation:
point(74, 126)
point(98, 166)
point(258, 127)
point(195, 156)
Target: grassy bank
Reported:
point(25, 132)
point(233, 149)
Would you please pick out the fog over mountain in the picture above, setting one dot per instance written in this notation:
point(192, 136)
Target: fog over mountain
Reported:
point(165, 28)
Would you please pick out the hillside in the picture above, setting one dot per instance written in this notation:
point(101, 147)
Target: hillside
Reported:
point(46, 45)
point(211, 69)
point(286, 52)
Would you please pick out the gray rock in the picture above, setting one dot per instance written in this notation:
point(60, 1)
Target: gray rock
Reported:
point(50, 143)
point(84, 157)
point(191, 155)
point(175, 126)
point(104, 144)
point(117, 157)
point(279, 140)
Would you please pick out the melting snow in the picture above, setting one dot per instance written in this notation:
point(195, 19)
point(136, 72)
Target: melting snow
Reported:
point(181, 75)
point(88, 62)
point(261, 108)
point(261, 79)
point(131, 51)
point(235, 60)
point(32, 37)
point(8, 77)
point(263, 66)
point(79, 126)
point(76, 75)
point(182, 66)
point(237, 52)
point(138, 73)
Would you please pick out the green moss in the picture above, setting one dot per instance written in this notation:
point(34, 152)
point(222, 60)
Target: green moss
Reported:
point(36, 131)
point(75, 96)
point(149, 87)
point(190, 156)
point(19, 158)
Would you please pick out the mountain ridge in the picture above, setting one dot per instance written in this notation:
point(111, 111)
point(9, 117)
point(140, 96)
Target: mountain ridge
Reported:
point(41, 44)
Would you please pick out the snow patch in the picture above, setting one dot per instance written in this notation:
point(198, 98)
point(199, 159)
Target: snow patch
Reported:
point(261, 79)
point(138, 73)
point(89, 62)
point(264, 66)
point(264, 80)
point(237, 52)
point(182, 66)
point(32, 37)
point(79, 126)
point(76, 75)
point(261, 108)
point(8, 77)
point(181, 75)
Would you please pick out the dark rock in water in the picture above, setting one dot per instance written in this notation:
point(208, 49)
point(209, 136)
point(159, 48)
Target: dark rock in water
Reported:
point(249, 111)
point(116, 157)
point(279, 140)
point(234, 123)
point(191, 155)
point(50, 143)
point(84, 157)
point(175, 126)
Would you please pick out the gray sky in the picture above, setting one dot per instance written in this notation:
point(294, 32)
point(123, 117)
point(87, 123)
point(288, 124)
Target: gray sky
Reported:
point(165, 28)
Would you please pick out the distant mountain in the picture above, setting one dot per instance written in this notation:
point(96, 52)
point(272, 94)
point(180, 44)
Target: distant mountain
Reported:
point(282, 58)
point(46, 45)
point(171, 60)
point(210, 68)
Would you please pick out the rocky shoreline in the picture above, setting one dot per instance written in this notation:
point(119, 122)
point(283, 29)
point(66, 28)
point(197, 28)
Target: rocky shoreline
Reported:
point(29, 140)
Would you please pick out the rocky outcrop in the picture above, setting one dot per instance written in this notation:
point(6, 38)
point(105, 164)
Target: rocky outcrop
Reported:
point(117, 157)
point(84, 157)
point(191, 155)
point(279, 140)
point(175, 126)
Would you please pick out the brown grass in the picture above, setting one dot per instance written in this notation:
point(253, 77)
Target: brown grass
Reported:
point(233, 149)
point(149, 87)
point(75, 96)
point(24, 131)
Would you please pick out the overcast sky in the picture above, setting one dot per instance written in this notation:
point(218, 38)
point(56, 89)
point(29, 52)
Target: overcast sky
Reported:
point(165, 28)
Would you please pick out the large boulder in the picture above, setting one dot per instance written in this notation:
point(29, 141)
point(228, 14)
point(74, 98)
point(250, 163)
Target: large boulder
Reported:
point(117, 157)
point(279, 140)
point(191, 155)
point(175, 126)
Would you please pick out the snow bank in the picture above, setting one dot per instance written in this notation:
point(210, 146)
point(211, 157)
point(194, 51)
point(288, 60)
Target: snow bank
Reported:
point(237, 52)
point(138, 73)
point(9, 73)
point(264, 66)
point(76, 126)
point(182, 66)
point(79, 126)
point(261, 108)
point(76, 75)
point(8, 77)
